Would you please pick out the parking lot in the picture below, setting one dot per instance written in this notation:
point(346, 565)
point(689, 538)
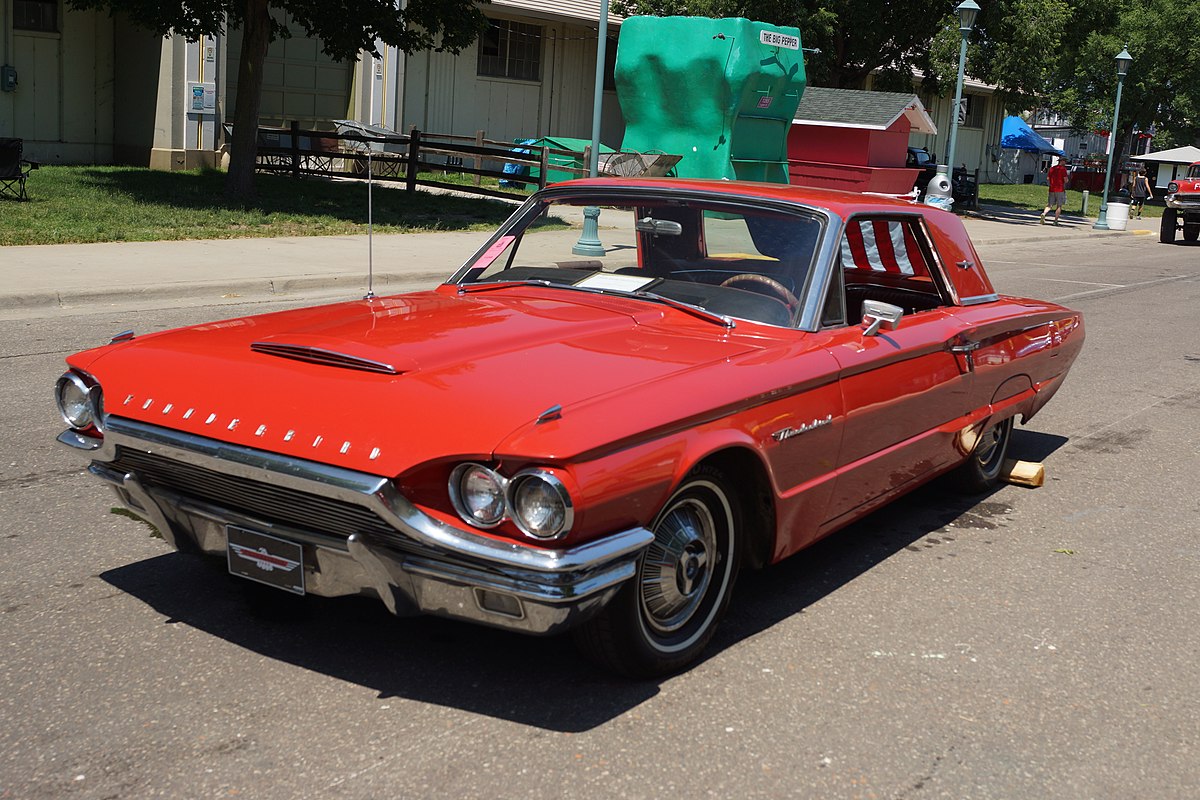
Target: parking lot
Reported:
point(1032, 643)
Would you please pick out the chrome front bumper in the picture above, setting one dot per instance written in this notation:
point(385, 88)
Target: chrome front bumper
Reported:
point(411, 561)
point(1187, 202)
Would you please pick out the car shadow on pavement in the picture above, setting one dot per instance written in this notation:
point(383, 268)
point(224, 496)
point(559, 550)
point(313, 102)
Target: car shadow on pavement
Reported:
point(539, 682)
point(907, 524)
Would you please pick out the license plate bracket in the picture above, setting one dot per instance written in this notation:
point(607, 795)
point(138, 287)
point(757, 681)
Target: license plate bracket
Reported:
point(265, 559)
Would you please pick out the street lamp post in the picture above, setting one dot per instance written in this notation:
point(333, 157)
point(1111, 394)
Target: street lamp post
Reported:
point(1123, 61)
point(589, 243)
point(967, 11)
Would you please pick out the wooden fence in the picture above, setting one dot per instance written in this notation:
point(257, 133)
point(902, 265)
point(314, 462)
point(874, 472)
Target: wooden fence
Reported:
point(403, 157)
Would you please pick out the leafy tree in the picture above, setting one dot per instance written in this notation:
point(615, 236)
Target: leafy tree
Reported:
point(855, 37)
point(1162, 89)
point(346, 28)
point(1053, 54)
point(1021, 46)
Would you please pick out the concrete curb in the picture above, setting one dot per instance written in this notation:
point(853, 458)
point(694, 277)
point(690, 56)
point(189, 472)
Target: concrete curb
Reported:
point(243, 289)
point(1046, 238)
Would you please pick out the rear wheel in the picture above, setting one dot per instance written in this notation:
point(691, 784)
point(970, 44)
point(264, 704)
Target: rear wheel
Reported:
point(1166, 230)
point(663, 618)
point(983, 468)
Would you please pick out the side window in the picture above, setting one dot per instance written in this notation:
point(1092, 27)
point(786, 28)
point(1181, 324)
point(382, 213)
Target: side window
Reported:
point(887, 259)
point(872, 245)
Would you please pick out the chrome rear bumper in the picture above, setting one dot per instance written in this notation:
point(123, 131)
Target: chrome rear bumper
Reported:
point(411, 561)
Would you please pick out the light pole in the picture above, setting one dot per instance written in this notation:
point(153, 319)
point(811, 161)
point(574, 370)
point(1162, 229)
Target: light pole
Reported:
point(589, 243)
point(1123, 62)
point(598, 97)
point(967, 11)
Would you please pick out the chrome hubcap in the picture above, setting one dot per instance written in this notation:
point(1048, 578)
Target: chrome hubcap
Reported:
point(677, 568)
point(989, 445)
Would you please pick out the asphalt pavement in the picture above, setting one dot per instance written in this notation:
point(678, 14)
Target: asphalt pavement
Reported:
point(1030, 643)
point(97, 276)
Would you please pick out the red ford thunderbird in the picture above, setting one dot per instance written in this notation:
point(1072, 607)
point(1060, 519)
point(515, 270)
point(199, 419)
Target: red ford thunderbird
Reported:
point(633, 391)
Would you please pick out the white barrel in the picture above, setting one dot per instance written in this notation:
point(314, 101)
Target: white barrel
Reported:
point(1118, 216)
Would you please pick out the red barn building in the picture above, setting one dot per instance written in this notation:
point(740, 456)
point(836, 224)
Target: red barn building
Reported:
point(855, 140)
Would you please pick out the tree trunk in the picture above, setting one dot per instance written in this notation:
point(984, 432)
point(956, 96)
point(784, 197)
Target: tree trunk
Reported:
point(239, 183)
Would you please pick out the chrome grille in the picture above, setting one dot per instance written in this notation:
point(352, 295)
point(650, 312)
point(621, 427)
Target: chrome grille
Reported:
point(260, 499)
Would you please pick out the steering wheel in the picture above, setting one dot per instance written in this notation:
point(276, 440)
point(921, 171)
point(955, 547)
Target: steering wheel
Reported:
point(790, 300)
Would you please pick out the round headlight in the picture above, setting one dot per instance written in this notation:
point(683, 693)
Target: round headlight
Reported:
point(541, 506)
point(478, 495)
point(1172, 187)
point(75, 401)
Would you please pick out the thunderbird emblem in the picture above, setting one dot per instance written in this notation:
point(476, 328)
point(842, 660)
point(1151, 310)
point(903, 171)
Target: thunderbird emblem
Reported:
point(788, 433)
point(268, 562)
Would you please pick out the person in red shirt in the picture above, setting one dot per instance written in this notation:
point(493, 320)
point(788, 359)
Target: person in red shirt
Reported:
point(1056, 177)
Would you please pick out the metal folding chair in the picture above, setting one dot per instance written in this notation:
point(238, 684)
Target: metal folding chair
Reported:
point(14, 169)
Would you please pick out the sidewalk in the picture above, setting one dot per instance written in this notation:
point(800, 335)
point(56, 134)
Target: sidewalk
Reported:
point(125, 275)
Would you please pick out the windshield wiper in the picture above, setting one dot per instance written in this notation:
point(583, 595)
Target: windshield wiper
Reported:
point(687, 308)
point(471, 288)
point(651, 297)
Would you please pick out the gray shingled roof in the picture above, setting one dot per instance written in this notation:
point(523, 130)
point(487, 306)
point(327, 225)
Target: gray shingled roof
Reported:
point(858, 109)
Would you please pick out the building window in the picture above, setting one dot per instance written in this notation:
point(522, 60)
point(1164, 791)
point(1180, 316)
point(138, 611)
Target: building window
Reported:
point(36, 15)
point(976, 106)
point(610, 64)
point(511, 50)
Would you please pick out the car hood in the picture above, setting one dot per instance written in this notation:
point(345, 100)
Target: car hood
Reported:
point(461, 373)
point(1188, 185)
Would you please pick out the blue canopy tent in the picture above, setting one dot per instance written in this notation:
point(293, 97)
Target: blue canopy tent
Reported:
point(1016, 135)
point(1022, 153)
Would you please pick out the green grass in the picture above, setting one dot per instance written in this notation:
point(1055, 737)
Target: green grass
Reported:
point(1033, 198)
point(129, 204)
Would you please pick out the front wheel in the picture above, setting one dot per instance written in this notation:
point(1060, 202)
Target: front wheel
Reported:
point(663, 618)
point(983, 467)
point(1191, 231)
point(1166, 229)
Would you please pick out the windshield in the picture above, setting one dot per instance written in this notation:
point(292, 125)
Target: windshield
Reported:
point(1194, 171)
point(920, 158)
point(728, 259)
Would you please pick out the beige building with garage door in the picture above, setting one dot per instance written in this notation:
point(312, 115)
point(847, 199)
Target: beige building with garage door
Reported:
point(87, 88)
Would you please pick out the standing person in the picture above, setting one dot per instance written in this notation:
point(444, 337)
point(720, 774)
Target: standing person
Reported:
point(1056, 178)
point(1139, 192)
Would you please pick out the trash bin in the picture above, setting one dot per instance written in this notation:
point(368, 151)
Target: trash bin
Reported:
point(519, 170)
point(1118, 214)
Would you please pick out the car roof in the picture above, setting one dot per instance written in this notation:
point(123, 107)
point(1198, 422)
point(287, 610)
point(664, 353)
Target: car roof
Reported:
point(839, 202)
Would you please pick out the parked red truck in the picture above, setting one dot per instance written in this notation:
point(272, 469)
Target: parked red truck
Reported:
point(1183, 207)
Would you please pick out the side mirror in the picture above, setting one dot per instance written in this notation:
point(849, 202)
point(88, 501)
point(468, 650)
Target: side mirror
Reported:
point(878, 315)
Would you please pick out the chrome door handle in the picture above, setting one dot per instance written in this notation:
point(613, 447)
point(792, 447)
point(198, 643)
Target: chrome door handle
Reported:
point(964, 354)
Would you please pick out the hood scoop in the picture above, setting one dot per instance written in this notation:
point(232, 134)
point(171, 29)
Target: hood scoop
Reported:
point(324, 356)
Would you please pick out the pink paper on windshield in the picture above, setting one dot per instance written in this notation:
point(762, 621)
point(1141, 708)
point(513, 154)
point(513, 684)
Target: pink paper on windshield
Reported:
point(490, 254)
